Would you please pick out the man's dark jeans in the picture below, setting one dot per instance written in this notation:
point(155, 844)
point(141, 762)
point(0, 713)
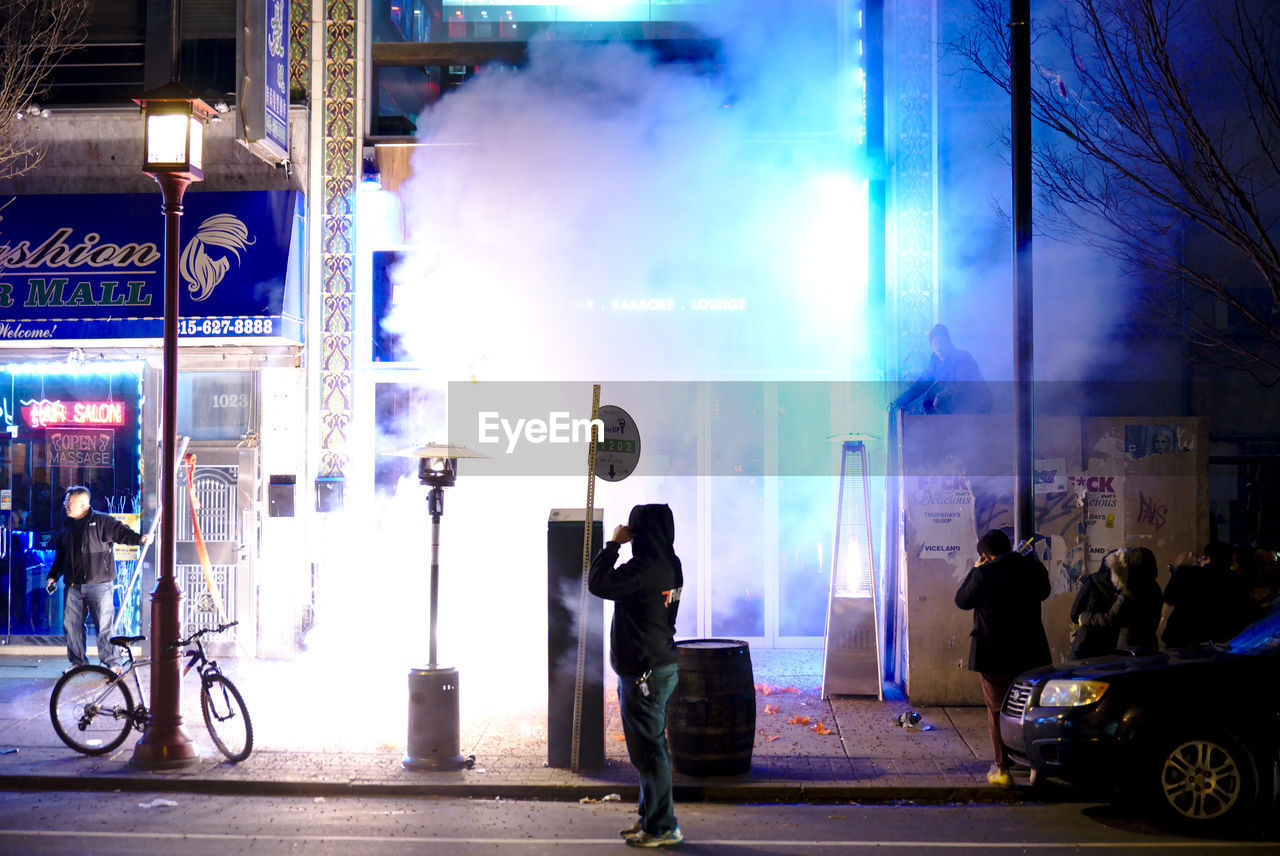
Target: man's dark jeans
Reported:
point(99, 600)
point(644, 724)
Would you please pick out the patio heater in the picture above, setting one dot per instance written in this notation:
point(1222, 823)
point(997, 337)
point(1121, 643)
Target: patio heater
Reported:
point(851, 656)
point(433, 690)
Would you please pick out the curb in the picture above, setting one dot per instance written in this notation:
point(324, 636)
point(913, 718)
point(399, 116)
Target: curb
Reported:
point(714, 793)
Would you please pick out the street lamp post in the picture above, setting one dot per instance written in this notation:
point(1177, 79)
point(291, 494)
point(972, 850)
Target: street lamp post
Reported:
point(1023, 319)
point(174, 153)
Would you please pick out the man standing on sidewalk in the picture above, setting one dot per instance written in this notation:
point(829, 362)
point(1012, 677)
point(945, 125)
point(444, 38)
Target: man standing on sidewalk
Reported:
point(1004, 590)
point(84, 556)
point(646, 596)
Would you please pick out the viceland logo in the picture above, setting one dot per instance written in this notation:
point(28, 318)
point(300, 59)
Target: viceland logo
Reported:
point(201, 271)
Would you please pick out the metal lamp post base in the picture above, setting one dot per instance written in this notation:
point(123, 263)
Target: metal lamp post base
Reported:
point(433, 721)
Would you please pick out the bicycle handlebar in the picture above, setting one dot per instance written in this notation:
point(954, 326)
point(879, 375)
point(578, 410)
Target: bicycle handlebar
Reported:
point(194, 636)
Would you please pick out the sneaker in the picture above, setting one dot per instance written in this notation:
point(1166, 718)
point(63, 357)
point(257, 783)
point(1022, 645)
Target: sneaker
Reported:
point(999, 778)
point(638, 826)
point(666, 839)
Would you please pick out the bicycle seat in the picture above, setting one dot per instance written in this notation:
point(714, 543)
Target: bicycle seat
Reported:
point(126, 640)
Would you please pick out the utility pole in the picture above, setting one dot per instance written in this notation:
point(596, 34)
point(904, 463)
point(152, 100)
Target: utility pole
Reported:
point(1023, 322)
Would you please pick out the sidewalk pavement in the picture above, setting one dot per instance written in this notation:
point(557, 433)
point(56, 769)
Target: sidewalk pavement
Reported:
point(319, 733)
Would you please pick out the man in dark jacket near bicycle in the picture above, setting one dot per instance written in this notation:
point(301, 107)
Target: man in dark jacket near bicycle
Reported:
point(84, 556)
point(646, 596)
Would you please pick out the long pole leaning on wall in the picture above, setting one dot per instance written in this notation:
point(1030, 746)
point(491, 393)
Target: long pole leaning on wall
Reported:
point(1023, 325)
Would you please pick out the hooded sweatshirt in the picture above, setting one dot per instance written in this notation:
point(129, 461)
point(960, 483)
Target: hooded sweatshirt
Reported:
point(1135, 613)
point(645, 592)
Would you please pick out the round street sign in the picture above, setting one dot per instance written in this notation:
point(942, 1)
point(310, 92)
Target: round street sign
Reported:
point(619, 452)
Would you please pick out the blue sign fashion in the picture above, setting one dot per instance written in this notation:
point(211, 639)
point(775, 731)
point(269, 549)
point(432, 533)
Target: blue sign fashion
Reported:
point(92, 267)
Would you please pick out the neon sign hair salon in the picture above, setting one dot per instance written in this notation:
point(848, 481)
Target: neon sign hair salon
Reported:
point(56, 414)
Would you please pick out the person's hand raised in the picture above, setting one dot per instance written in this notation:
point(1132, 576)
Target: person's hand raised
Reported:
point(621, 535)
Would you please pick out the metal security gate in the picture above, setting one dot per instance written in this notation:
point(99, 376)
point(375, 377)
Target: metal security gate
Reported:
point(222, 482)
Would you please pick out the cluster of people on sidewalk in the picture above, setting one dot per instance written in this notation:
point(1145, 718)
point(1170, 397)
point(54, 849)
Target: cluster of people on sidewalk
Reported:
point(1209, 598)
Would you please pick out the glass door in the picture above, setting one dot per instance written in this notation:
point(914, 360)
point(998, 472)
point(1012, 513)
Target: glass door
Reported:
point(27, 522)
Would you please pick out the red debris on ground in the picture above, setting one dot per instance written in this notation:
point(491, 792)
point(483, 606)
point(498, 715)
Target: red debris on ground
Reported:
point(767, 690)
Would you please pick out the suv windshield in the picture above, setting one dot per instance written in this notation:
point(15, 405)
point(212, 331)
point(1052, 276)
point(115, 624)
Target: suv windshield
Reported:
point(1261, 636)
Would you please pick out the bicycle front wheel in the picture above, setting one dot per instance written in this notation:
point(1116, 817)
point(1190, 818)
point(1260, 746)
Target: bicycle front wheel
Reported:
point(92, 709)
point(226, 717)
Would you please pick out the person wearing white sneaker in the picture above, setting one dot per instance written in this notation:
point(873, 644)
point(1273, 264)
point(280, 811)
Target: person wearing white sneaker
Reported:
point(667, 839)
point(1004, 590)
point(642, 649)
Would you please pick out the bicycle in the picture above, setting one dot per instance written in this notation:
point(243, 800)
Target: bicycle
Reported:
point(93, 710)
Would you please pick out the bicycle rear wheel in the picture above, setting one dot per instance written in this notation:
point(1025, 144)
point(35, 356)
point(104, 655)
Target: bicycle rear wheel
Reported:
point(91, 709)
point(226, 717)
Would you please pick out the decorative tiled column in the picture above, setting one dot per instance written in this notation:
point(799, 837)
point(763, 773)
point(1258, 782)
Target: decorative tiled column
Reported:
point(299, 50)
point(911, 96)
point(337, 233)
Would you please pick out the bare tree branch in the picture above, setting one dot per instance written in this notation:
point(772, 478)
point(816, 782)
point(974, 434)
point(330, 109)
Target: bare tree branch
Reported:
point(34, 36)
point(1159, 120)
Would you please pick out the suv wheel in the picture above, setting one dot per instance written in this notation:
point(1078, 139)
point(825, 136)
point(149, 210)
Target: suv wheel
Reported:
point(1203, 781)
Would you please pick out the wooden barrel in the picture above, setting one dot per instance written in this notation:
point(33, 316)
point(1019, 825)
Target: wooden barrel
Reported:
point(711, 718)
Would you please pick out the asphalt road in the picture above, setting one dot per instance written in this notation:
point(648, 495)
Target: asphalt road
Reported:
point(131, 823)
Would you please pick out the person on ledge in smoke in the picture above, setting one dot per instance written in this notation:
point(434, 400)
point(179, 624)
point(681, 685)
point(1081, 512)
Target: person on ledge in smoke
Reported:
point(646, 596)
point(1134, 614)
point(953, 383)
point(84, 556)
point(1004, 590)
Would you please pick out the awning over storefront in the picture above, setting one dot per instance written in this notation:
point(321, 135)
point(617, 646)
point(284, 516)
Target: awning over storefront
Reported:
point(91, 268)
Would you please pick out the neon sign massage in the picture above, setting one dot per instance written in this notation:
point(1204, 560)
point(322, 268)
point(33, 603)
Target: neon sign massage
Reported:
point(56, 414)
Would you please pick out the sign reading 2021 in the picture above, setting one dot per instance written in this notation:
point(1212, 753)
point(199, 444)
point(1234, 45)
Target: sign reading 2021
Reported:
point(618, 451)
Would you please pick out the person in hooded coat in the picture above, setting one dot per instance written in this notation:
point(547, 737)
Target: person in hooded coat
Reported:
point(646, 595)
point(952, 383)
point(1135, 613)
point(1097, 594)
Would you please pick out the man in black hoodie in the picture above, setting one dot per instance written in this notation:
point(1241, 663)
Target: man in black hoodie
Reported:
point(85, 557)
point(646, 596)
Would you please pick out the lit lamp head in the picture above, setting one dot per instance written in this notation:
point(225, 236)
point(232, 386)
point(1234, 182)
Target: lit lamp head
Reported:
point(438, 472)
point(175, 120)
point(437, 463)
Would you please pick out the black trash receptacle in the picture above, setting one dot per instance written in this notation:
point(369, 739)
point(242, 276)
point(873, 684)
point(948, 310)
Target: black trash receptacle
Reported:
point(711, 718)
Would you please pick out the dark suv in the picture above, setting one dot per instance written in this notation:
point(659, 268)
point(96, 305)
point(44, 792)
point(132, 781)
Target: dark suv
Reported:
point(1195, 733)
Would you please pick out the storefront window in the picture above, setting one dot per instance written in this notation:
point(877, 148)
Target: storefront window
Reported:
point(386, 344)
point(406, 414)
point(62, 426)
point(406, 81)
point(215, 405)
